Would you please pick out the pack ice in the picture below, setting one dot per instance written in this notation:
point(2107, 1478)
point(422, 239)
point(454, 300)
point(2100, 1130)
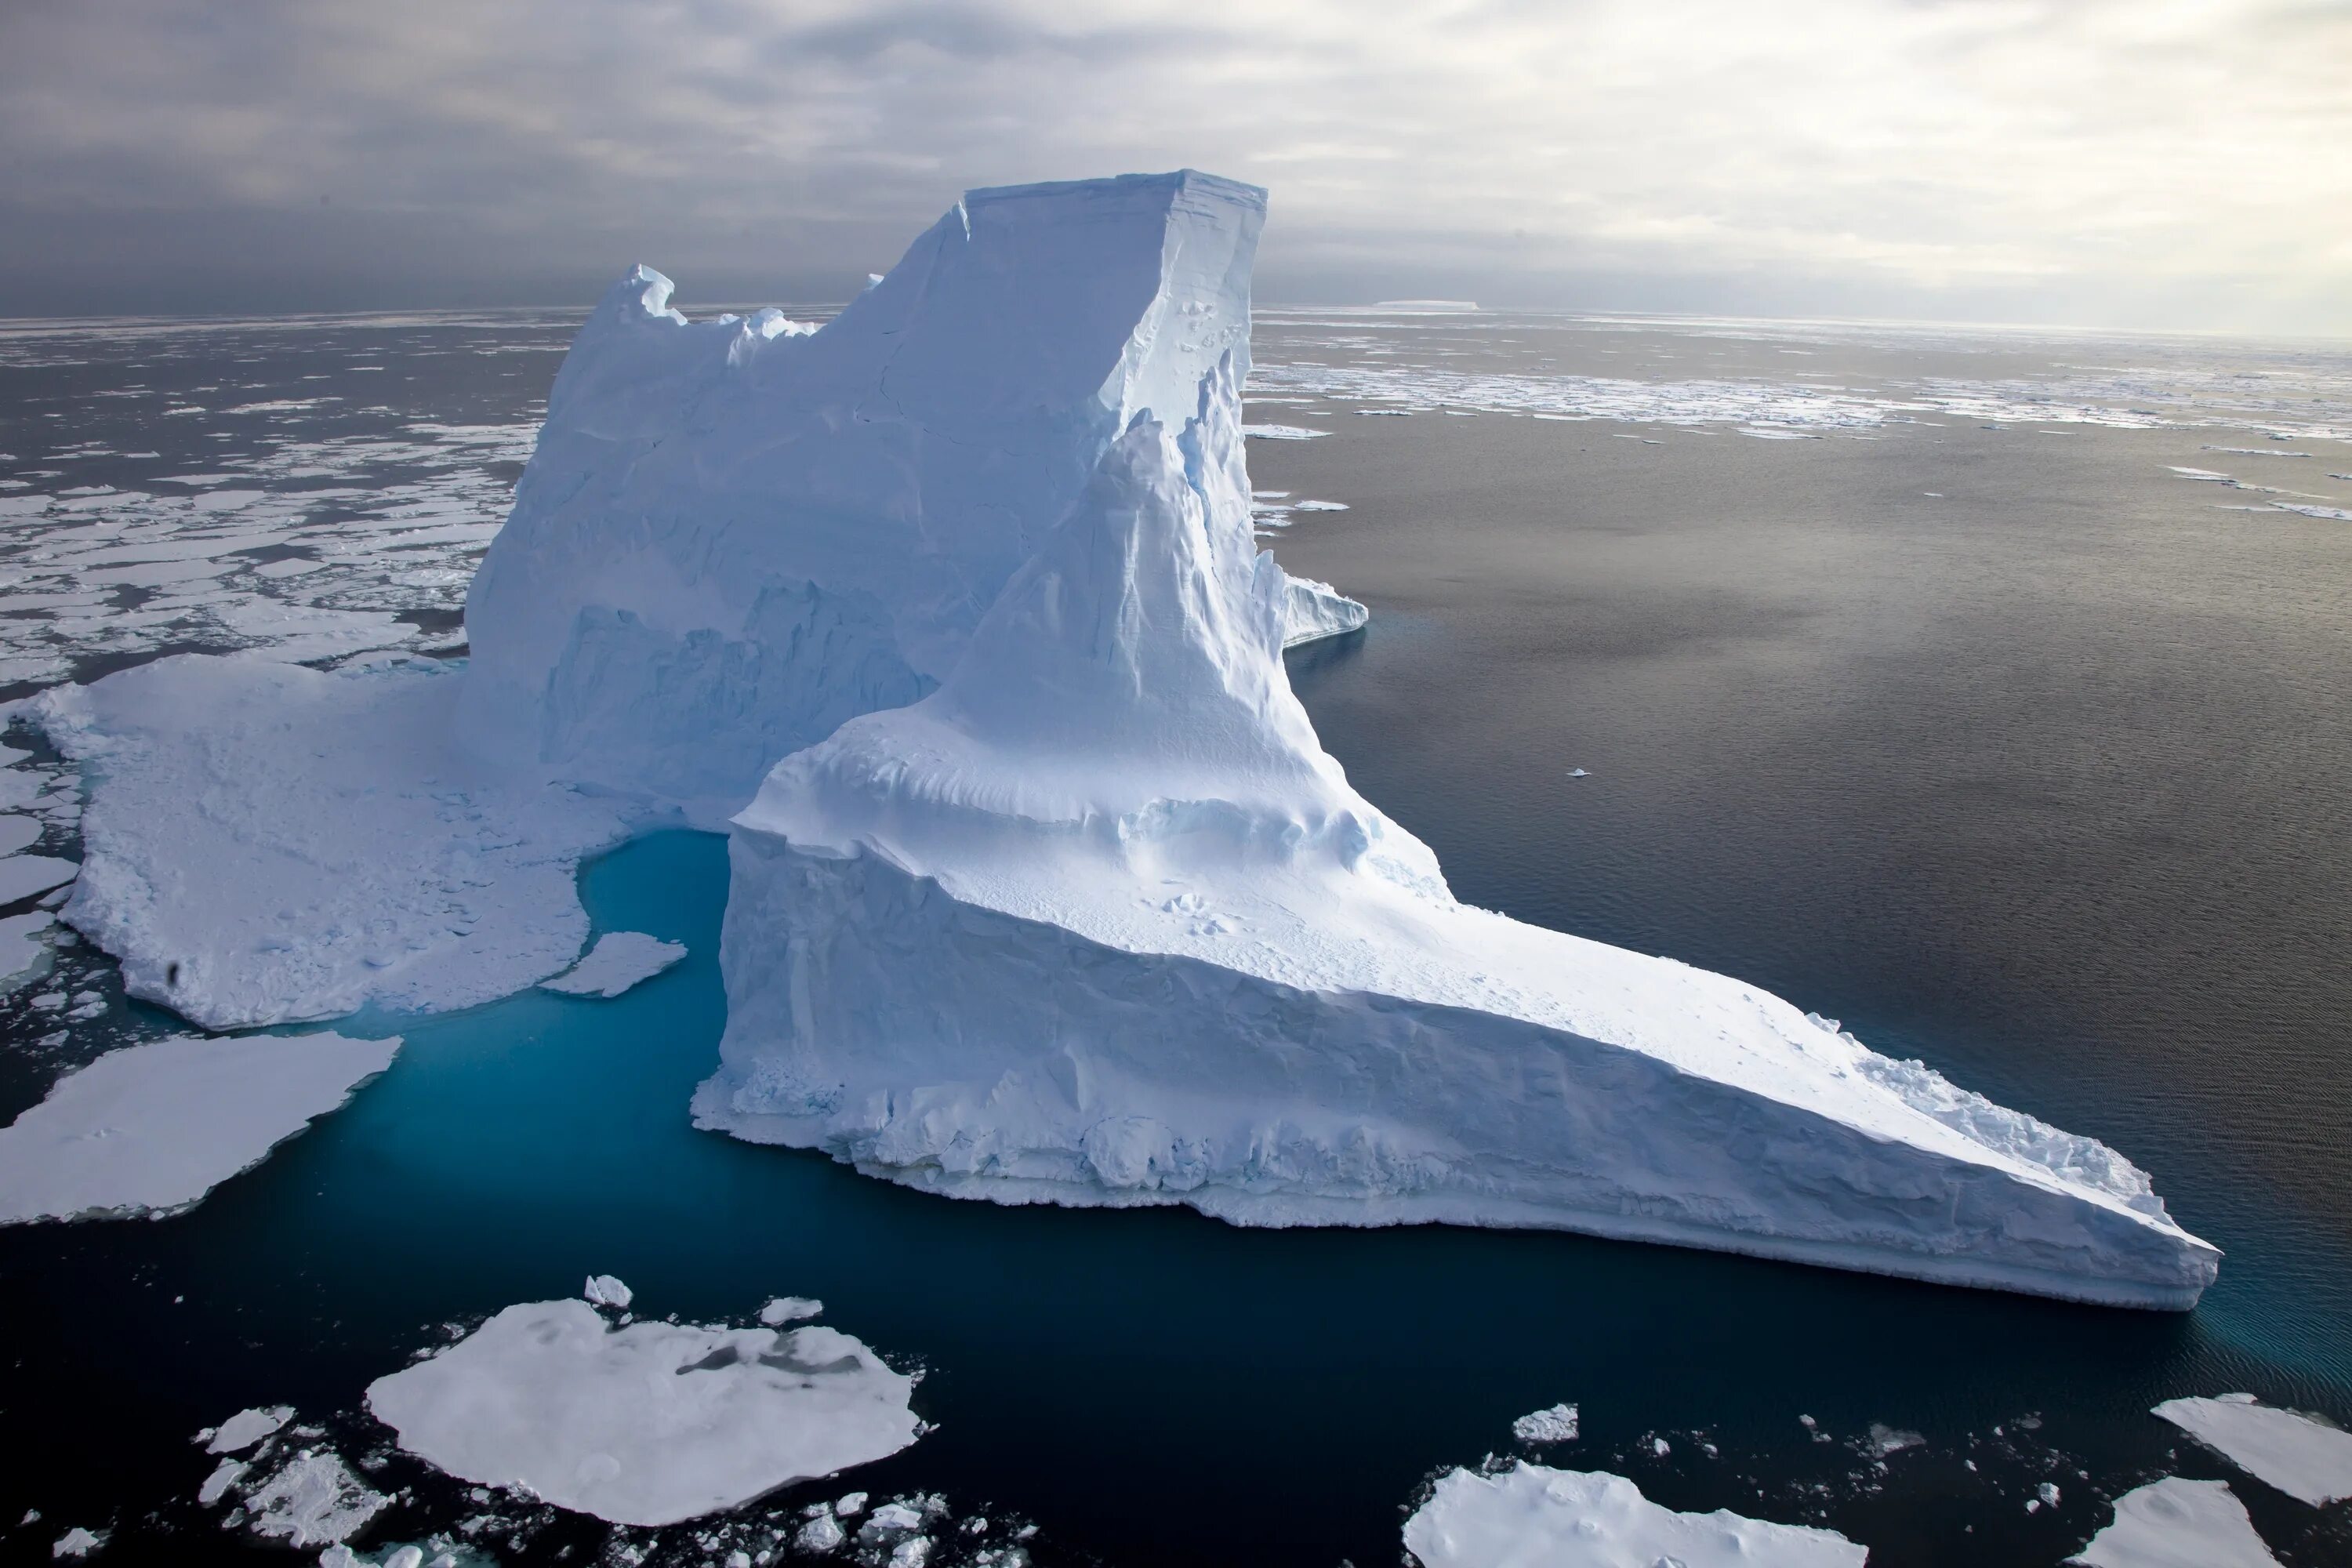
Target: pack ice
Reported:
point(1046, 889)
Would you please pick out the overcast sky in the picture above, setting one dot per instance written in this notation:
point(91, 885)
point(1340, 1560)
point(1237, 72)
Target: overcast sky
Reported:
point(2124, 162)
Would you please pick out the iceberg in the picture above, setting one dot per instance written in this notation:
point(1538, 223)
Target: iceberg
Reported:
point(1531, 1516)
point(1098, 922)
point(1043, 887)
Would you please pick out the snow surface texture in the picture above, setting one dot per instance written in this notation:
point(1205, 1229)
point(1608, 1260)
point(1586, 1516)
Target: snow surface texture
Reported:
point(649, 1424)
point(1533, 1517)
point(151, 1129)
point(2299, 1456)
point(266, 844)
point(2177, 1524)
point(733, 535)
point(619, 960)
point(1098, 922)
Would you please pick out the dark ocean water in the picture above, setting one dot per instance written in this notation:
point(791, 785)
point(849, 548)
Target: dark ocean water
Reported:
point(2042, 777)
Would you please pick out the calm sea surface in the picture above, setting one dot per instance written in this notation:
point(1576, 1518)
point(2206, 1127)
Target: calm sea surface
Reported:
point(1912, 679)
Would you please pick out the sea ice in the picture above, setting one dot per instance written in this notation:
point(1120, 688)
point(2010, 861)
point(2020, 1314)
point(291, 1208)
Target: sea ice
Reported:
point(619, 960)
point(1557, 1425)
point(77, 1542)
point(22, 876)
point(266, 844)
point(151, 1129)
point(18, 832)
point(313, 1500)
point(1533, 1517)
point(22, 952)
point(247, 1427)
point(2301, 1457)
point(2177, 1524)
point(649, 1424)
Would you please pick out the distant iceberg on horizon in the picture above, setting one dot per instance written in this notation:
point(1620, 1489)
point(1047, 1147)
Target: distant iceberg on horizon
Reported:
point(1044, 888)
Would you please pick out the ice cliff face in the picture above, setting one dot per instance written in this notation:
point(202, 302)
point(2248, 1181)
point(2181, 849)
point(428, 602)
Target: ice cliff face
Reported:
point(737, 533)
point(1098, 922)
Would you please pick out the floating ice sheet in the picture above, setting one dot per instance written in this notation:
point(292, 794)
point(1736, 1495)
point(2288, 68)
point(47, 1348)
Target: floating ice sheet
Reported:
point(151, 1129)
point(2177, 1524)
point(2301, 1457)
point(619, 960)
point(649, 1424)
point(1534, 1517)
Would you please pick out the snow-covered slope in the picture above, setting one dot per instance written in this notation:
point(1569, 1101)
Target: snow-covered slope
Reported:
point(736, 533)
point(1100, 922)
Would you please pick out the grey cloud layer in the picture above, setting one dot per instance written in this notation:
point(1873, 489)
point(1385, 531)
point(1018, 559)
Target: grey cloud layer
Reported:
point(2152, 162)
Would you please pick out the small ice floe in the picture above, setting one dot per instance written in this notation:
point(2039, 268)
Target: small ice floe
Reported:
point(314, 1501)
point(1933, 495)
point(1531, 1516)
point(2300, 1456)
point(1282, 431)
point(411, 1556)
point(2256, 452)
point(243, 1429)
point(606, 1290)
point(821, 1533)
point(648, 1423)
point(1319, 506)
point(23, 954)
point(620, 960)
point(78, 1543)
point(790, 1308)
point(225, 1474)
point(1556, 1425)
point(1578, 774)
point(1884, 1441)
point(2177, 1524)
point(151, 1129)
point(2046, 1494)
point(22, 876)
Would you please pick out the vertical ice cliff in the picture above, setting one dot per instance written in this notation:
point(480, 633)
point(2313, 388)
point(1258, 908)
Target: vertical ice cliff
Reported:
point(737, 533)
point(1098, 922)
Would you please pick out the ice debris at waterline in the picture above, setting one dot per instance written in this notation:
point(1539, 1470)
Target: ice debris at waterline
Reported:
point(2177, 1524)
point(619, 960)
point(1048, 889)
point(1556, 1425)
point(151, 1129)
point(1530, 1516)
point(647, 1423)
point(2301, 1457)
point(1098, 922)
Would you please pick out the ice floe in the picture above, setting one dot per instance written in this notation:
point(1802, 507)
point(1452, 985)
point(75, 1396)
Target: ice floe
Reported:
point(606, 1290)
point(790, 1308)
point(313, 1499)
point(1556, 1425)
point(619, 960)
point(2301, 1457)
point(2177, 1523)
point(1534, 1517)
point(647, 1423)
point(151, 1129)
point(247, 1427)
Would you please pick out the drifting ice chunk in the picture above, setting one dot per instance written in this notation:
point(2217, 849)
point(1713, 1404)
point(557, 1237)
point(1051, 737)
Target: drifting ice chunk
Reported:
point(21, 950)
point(1311, 610)
point(2297, 1455)
point(1100, 922)
point(1557, 1425)
point(2177, 1524)
point(247, 1427)
point(603, 1290)
point(150, 1130)
point(646, 1425)
point(22, 876)
point(789, 1308)
point(619, 960)
point(77, 1542)
point(1533, 1517)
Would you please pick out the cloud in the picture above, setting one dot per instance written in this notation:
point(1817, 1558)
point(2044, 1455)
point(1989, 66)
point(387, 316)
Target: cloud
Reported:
point(2171, 163)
